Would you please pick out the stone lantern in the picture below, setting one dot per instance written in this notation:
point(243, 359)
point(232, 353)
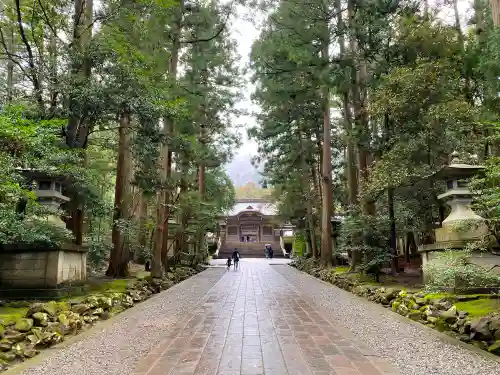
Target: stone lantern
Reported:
point(48, 190)
point(32, 270)
point(459, 198)
point(462, 226)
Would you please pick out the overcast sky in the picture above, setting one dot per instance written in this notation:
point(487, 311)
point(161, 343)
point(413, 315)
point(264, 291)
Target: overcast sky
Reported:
point(245, 31)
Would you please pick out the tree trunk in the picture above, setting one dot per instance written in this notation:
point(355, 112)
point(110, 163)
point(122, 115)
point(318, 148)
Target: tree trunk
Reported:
point(307, 189)
point(352, 173)
point(495, 12)
point(32, 69)
point(201, 187)
point(161, 235)
point(393, 237)
point(168, 172)
point(161, 212)
point(327, 202)
point(120, 254)
point(10, 65)
point(355, 89)
point(53, 74)
point(143, 218)
point(364, 154)
point(319, 166)
point(183, 214)
point(77, 130)
point(78, 127)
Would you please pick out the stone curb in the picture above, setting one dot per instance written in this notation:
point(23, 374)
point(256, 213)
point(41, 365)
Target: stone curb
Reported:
point(401, 318)
point(70, 340)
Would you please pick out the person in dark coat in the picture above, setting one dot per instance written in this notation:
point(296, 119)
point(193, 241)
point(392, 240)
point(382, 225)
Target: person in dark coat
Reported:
point(236, 258)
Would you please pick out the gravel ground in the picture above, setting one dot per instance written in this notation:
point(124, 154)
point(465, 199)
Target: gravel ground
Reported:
point(116, 348)
point(412, 349)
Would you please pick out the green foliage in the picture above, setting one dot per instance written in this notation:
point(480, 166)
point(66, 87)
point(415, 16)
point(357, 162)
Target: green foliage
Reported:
point(479, 307)
point(368, 236)
point(97, 255)
point(299, 245)
point(35, 228)
point(487, 187)
point(452, 271)
point(29, 144)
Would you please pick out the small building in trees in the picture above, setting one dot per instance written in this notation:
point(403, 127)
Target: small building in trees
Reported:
point(250, 225)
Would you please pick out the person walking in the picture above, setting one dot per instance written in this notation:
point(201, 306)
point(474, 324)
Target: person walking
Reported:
point(270, 252)
point(266, 251)
point(228, 263)
point(236, 258)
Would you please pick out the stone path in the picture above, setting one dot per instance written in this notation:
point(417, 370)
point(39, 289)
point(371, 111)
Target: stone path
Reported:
point(267, 318)
point(255, 322)
point(115, 347)
point(413, 348)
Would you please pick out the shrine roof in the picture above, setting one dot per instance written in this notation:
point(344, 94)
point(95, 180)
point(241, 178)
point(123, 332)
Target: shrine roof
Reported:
point(245, 205)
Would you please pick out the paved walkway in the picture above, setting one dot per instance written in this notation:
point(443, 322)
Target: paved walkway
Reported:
point(267, 318)
point(255, 322)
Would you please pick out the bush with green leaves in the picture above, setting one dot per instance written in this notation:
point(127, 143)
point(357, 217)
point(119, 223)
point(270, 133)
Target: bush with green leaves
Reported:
point(27, 142)
point(34, 229)
point(452, 270)
point(97, 256)
point(366, 237)
point(487, 189)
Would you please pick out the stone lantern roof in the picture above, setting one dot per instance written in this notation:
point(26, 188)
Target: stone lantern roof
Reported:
point(48, 190)
point(457, 169)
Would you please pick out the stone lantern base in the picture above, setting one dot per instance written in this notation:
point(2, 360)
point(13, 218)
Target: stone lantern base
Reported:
point(35, 271)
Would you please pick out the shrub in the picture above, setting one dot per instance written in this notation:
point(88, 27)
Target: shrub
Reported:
point(97, 256)
point(451, 270)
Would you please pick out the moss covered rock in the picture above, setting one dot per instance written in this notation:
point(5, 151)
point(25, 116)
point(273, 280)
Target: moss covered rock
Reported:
point(450, 316)
point(480, 329)
point(7, 356)
point(14, 336)
point(432, 319)
point(41, 325)
point(105, 302)
point(42, 339)
point(41, 319)
point(80, 308)
point(50, 308)
point(24, 325)
point(495, 348)
point(5, 345)
point(63, 319)
point(420, 301)
point(415, 315)
point(91, 301)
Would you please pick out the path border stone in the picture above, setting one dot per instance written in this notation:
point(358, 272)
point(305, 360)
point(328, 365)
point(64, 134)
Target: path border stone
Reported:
point(410, 348)
point(99, 327)
point(404, 319)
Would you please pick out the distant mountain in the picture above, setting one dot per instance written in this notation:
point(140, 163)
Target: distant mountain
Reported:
point(241, 171)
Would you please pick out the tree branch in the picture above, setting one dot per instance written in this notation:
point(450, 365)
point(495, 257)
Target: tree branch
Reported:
point(11, 55)
point(31, 61)
point(47, 20)
point(205, 39)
